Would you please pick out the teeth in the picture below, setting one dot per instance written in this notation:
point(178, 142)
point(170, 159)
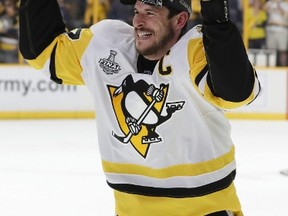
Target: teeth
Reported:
point(144, 34)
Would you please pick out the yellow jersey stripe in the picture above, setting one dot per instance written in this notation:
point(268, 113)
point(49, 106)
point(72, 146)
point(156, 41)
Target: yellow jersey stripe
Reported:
point(172, 171)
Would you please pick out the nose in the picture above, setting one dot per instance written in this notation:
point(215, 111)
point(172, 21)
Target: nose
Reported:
point(138, 20)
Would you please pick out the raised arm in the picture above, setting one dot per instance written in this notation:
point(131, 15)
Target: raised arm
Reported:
point(46, 45)
point(231, 76)
point(40, 22)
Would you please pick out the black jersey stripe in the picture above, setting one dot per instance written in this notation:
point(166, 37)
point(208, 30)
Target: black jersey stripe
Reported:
point(200, 76)
point(52, 67)
point(176, 192)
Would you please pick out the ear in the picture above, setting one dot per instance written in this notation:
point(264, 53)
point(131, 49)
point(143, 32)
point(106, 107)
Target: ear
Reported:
point(181, 19)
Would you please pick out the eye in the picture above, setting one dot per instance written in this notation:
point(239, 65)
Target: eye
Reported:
point(150, 13)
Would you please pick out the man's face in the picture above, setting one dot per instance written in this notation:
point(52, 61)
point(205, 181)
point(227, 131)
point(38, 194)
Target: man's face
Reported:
point(154, 32)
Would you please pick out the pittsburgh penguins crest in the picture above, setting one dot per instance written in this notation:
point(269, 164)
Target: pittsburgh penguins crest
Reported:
point(139, 108)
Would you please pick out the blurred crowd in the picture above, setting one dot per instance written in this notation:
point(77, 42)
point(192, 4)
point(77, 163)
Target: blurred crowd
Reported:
point(8, 31)
point(266, 22)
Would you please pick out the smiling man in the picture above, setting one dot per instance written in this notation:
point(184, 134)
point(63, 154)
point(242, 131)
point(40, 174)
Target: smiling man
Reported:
point(154, 33)
point(160, 91)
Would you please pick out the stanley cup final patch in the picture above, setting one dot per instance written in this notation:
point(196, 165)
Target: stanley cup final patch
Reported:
point(109, 65)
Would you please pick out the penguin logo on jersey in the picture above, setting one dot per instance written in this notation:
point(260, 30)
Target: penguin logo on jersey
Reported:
point(109, 65)
point(138, 107)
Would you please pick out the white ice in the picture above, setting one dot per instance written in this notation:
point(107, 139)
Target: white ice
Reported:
point(53, 168)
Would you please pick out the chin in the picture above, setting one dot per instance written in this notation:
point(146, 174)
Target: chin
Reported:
point(144, 50)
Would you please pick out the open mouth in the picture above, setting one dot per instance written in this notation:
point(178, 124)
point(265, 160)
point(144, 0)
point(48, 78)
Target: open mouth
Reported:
point(143, 34)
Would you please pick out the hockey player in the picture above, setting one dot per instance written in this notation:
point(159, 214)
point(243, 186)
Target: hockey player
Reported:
point(182, 165)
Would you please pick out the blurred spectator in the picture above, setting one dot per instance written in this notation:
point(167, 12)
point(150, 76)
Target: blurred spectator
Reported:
point(236, 13)
point(277, 29)
point(256, 19)
point(120, 11)
point(65, 13)
point(9, 32)
point(73, 12)
point(96, 10)
point(76, 10)
point(195, 18)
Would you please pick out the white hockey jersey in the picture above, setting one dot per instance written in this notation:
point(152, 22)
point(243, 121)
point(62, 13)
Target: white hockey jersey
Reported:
point(183, 149)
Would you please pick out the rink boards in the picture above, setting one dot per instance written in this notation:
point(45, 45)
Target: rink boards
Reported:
point(27, 94)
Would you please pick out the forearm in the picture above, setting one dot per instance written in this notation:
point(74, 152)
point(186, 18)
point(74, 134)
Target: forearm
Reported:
point(40, 21)
point(231, 75)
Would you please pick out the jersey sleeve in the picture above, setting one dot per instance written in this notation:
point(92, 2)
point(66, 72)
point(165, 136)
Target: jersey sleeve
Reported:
point(220, 68)
point(61, 59)
point(47, 45)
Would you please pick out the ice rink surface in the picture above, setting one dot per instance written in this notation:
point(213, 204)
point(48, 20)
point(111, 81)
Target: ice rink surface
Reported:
point(52, 168)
